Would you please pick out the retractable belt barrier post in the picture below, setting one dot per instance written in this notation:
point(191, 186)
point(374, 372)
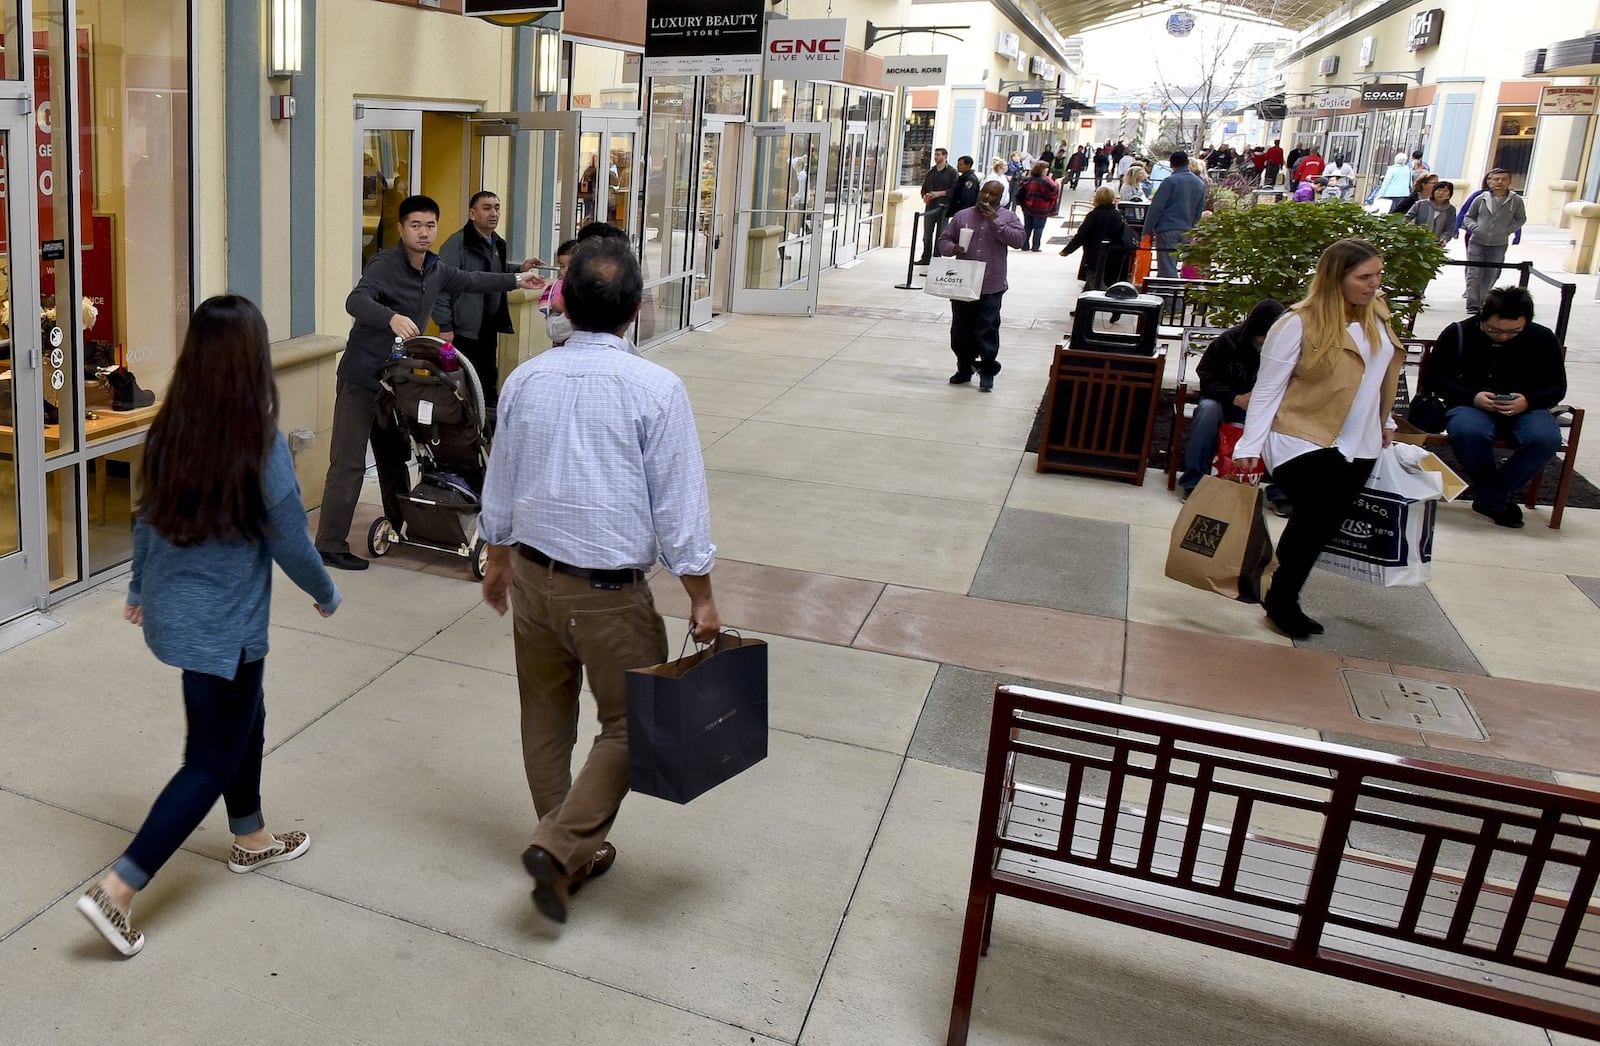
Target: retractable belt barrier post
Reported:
point(911, 261)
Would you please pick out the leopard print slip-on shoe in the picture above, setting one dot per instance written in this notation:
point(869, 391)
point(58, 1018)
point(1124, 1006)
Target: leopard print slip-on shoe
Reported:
point(112, 922)
point(285, 847)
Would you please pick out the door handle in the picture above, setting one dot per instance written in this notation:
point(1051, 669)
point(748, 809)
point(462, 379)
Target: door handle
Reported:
point(716, 242)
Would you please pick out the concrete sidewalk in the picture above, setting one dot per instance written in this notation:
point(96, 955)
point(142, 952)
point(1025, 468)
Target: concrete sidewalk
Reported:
point(887, 534)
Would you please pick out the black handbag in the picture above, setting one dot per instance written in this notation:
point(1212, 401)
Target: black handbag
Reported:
point(1428, 411)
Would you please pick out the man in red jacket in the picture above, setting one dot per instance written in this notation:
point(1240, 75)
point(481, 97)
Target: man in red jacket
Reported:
point(1309, 167)
point(1274, 163)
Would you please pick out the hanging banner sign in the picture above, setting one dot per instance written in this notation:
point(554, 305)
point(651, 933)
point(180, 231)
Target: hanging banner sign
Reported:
point(1335, 101)
point(703, 37)
point(805, 49)
point(1383, 96)
point(1025, 102)
point(916, 70)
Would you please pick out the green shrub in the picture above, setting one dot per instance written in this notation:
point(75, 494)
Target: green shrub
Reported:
point(1272, 251)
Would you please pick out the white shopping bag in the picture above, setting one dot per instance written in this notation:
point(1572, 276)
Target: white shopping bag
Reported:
point(955, 279)
point(1387, 538)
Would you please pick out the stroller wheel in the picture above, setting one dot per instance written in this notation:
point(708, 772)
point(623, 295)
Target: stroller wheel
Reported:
point(381, 537)
point(480, 558)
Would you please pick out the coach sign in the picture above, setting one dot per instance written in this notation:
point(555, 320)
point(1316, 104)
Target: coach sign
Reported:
point(1383, 96)
point(702, 37)
point(805, 49)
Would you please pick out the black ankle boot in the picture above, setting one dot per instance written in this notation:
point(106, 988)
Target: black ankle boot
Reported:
point(125, 391)
point(1290, 619)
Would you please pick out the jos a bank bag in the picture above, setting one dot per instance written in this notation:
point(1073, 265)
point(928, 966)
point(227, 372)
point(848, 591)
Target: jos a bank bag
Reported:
point(1220, 542)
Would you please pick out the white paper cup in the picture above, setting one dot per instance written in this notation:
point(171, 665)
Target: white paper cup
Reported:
point(964, 238)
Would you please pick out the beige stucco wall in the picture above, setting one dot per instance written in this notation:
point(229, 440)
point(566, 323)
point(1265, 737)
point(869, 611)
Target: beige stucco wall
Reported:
point(1480, 48)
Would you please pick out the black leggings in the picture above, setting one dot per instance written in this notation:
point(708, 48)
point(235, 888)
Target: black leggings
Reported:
point(1322, 486)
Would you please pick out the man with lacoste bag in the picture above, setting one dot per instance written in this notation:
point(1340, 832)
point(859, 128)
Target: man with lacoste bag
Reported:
point(980, 234)
point(1220, 541)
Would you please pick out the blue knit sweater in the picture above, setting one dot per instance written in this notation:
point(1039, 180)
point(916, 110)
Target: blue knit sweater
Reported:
point(206, 606)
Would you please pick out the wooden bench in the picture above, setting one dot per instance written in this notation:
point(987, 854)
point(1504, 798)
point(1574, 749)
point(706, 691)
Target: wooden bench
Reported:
point(1192, 345)
point(1178, 310)
point(1570, 418)
point(1264, 845)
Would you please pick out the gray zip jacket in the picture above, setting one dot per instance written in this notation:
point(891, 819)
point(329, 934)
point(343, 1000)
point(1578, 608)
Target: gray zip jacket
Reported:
point(1495, 227)
point(391, 285)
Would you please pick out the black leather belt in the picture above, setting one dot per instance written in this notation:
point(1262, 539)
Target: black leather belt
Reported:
point(615, 577)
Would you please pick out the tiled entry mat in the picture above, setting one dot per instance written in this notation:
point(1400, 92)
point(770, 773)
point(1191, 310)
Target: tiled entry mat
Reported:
point(1413, 704)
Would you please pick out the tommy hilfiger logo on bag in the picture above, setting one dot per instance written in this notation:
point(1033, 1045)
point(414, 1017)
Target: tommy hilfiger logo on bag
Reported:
point(1204, 536)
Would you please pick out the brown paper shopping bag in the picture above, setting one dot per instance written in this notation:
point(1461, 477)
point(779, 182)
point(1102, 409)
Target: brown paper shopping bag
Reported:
point(1220, 542)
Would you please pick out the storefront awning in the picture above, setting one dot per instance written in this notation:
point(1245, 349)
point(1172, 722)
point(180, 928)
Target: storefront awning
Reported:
point(1269, 108)
point(1577, 57)
point(1076, 16)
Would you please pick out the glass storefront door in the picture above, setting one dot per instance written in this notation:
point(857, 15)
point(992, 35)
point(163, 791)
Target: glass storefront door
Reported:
point(855, 192)
point(714, 207)
point(23, 363)
point(778, 256)
point(389, 152)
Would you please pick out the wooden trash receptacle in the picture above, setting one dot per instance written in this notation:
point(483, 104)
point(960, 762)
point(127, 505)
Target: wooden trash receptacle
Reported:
point(1100, 413)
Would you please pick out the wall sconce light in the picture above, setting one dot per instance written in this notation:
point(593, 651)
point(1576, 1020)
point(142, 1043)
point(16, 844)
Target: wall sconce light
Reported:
point(546, 62)
point(283, 37)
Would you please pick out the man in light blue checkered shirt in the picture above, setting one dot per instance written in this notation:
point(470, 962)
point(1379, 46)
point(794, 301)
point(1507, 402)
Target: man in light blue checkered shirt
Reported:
point(596, 474)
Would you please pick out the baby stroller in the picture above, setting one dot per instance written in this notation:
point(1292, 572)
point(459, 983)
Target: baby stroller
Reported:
point(442, 413)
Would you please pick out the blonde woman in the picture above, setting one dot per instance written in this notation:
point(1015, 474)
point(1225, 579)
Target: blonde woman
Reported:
point(1319, 413)
point(1133, 183)
point(997, 173)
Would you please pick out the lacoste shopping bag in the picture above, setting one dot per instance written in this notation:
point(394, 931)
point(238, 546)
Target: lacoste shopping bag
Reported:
point(695, 722)
point(1220, 542)
point(955, 279)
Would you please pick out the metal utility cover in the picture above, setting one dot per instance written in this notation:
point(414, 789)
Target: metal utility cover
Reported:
point(1412, 704)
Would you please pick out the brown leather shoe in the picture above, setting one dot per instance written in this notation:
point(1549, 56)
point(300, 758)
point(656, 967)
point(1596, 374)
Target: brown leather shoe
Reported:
point(598, 865)
point(551, 883)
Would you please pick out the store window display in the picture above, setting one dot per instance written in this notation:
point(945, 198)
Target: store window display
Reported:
point(112, 188)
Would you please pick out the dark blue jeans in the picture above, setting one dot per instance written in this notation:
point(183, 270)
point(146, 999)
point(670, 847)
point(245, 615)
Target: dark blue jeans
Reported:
point(1472, 434)
point(975, 334)
point(1033, 227)
point(222, 757)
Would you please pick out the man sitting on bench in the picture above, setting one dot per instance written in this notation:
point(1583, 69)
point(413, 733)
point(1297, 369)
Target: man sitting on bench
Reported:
point(1227, 375)
point(1499, 373)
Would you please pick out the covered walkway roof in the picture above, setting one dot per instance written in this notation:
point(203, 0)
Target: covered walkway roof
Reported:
point(1076, 16)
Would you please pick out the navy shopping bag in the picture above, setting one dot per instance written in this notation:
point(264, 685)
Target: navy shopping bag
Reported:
point(695, 722)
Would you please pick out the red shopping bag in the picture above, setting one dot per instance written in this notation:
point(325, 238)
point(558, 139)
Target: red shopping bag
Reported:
point(1227, 438)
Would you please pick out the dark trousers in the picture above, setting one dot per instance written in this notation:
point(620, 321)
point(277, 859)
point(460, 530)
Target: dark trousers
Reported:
point(1072, 178)
point(484, 355)
point(355, 422)
point(934, 219)
point(1033, 227)
point(975, 334)
point(564, 628)
point(1322, 486)
point(222, 757)
point(1269, 175)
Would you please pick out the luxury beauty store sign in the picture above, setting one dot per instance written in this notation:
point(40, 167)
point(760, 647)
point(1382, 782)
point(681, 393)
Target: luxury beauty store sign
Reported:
point(703, 37)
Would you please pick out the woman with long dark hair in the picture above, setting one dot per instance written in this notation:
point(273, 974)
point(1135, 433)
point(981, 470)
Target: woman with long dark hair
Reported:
point(220, 506)
point(1319, 413)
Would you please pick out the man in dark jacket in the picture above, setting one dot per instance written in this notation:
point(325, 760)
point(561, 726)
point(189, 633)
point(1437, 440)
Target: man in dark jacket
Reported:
point(1499, 373)
point(474, 322)
point(936, 186)
point(1102, 164)
point(1227, 373)
point(393, 298)
point(965, 193)
point(1178, 205)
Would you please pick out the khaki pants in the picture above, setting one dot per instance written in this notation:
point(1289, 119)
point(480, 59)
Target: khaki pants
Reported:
point(564, 626)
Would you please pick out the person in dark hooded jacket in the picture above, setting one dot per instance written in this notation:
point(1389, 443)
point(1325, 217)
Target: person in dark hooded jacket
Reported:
point(1227, 376)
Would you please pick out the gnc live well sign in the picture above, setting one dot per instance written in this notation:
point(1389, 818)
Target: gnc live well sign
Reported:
point(703, 37)
point(805, 49)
